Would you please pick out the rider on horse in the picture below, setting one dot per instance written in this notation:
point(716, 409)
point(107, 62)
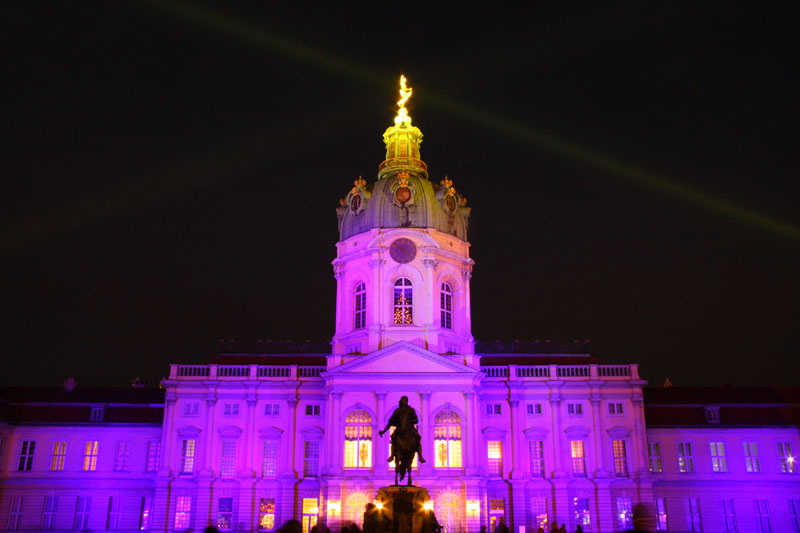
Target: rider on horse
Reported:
point(404, 418)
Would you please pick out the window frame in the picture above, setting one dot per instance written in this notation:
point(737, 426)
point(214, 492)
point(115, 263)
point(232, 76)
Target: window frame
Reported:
point(360, 306)
point(446, 305)
point(719, 459)
point(91, 452)
point(357, 423)
point(27, 452)
point(686, 463)
point(403, 287)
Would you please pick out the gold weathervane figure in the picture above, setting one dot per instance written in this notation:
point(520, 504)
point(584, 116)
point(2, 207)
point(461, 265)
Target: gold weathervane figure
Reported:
point(402, 114)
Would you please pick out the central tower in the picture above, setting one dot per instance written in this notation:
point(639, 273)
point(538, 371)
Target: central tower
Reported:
point(402, 264)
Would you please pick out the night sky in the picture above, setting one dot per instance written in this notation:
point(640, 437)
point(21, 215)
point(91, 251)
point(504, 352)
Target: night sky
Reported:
point(170, 173)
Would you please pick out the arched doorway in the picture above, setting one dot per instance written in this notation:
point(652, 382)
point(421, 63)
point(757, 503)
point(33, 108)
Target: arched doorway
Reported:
point(354, 509)
point(448, 512)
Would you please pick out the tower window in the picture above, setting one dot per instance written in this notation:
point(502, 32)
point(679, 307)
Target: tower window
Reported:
point(360, 313)
point(446, 299)
point(403, 313)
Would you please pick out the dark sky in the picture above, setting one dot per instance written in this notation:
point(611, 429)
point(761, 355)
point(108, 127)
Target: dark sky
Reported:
point(171, 172)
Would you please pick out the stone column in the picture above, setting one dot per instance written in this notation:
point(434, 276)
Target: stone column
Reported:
point(289, 470)
point(599, 437)
point(250, 436)
point(380, 443)
point(208, 441)
point(376, 312)
point(428, 452)
point(336, 440)
point(639, 439)
point(167, 437)
point(430, 266)
point(555, 403)
point(471, 443)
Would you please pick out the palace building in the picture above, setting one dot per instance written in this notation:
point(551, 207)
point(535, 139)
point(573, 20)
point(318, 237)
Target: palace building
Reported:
point(529, 433)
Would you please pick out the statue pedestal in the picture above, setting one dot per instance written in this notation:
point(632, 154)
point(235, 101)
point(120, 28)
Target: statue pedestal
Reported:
point(403, 506)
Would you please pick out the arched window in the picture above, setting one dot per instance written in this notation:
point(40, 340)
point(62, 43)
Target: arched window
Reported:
point(448, 512)
point(360, 307)
point(446, 299)
point(354, 506)
point(447, 439)
point(358, 440)
point(402, 301)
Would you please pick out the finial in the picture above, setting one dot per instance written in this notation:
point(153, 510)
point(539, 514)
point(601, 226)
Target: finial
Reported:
point(446, 182)
point(402, 114)
point(360, 182)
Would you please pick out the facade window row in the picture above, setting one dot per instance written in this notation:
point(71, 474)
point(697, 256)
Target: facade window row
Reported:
point(90, 455)
point(84, 512)
point(787, 463)
point(403, 304)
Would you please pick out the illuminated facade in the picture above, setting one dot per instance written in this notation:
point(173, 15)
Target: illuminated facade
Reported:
point(531, 433)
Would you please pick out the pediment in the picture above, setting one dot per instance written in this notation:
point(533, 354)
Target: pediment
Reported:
point(402, 358)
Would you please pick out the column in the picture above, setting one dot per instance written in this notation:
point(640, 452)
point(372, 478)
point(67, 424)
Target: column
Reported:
point(558, 450)
point(639, 439)
point(289, 470)
point(426, 469)
point(250, 435)
point(470, 445)
point(430, 297)
point(167, 437)
point(336, 440)
point(516, 437)
point(375, 308)
point(380, 453)
point(208, 441)
point(599, 437)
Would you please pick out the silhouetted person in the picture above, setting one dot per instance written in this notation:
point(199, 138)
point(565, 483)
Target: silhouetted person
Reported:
point(483, 529)
point(429, 523)
point(563, 528)
point(540, 530)
point(501, 526)
point(322, 528)
point(554, 528)
point(291, 526)
point(579, 529)
point(211, 529)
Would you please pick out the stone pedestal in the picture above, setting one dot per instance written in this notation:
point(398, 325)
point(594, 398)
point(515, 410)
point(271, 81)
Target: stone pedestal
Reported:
point(403, 506)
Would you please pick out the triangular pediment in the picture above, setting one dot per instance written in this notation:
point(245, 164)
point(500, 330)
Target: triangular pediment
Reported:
point(402, 358)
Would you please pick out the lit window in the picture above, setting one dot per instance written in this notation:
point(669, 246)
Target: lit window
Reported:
point(191, 408)
point(14, 513)
point(228, 462)
point(59, 456)
point(787, 460)
point(266, 514)
point(112, 521)
point(575, 409)
point(354, 506)
point(26, 455)
point(539, 510)
point(751, 460)
point(537, 458)
point(578, 458)
point(446, 301)
point(231, 409)
point(49, 510)
point(360, 306)
point(693, 518)
point(615, 409)
point(96, 415)
point(620, 458)
point(403, 293)
point(145, 513)
point(187, 456)
point(183, 509)
point(153, 456)
point(534, 409)
point(625, 514)
point(654, 456)
point(122, 456)
point(90, 456)
point(662, 524)
point(358, 440)
point(495, 453)
point(82, 510)
point(729, 514)
point(685, 457)
point(494, 409)
point(583, 516)
point(311, 458)
point(447, 439)
point(312, 410)
point(224, 514)
point(272, 409)
point(310, 513)
point(762, 512)
point(270, 467)
point(718, 461)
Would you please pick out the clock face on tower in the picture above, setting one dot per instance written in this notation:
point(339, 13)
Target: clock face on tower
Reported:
point(403, 250)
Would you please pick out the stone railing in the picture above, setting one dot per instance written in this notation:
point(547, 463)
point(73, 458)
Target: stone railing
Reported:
point(562, 372)
point(245, 372)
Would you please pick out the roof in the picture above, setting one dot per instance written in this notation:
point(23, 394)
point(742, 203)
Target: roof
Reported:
point(532, 347)
point(536, 359)
point(737, 406)
point(43, 405)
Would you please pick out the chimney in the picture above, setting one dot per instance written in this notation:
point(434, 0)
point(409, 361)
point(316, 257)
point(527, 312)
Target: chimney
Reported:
point(70, 383)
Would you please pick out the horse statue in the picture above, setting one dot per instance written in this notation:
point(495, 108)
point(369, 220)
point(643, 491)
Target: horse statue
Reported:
point(405, 440)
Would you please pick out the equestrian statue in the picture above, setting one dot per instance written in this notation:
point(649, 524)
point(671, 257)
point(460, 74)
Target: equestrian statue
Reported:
point(405, 440)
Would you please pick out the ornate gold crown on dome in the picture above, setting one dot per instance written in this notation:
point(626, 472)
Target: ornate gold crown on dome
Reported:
point(402, 141)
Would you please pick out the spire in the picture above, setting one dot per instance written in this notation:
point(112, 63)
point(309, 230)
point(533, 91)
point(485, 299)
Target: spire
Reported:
point(402, 141)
